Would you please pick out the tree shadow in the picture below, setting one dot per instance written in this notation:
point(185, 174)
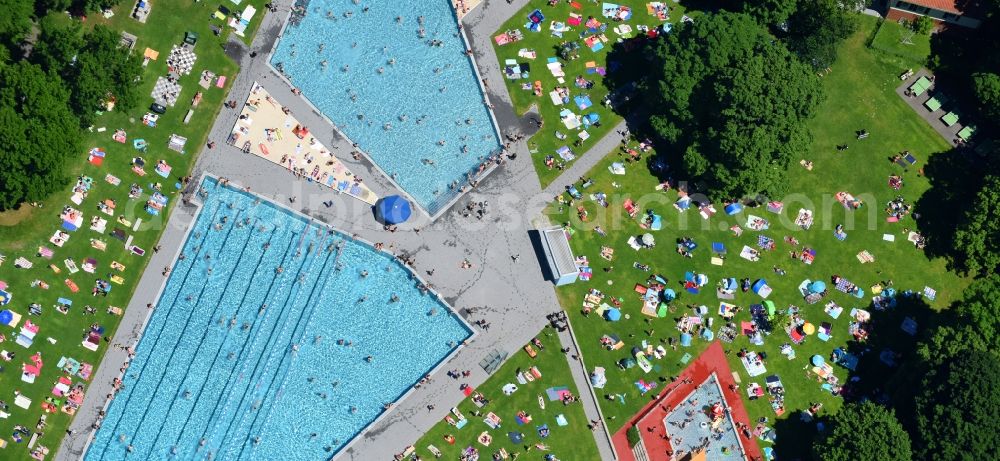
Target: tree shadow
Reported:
point(955, 177)
point(873, 379)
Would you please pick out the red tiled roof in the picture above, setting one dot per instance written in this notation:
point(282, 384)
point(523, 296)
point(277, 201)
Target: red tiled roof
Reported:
point(950, 6)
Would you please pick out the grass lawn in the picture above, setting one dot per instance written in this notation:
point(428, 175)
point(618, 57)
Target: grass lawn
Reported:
point(859, 96)
point(573, 441)
point(546, 46)
point(26, 229)
point(890, 39)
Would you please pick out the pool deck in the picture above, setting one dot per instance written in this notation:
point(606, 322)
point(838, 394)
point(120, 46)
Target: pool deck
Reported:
point(512, 296)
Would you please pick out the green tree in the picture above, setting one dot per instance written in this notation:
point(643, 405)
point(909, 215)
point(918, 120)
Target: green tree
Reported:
point(975, 323)
point(103, 70)
point(769, 12)
point(987, 89)
point(728, 97)
point(15, 21)
point(864, 431)
point(57, 45)
point(38, 132)
point(817, 27)
point(958, 409)
point(922, 25)
point(44, 6)
point(977, 248)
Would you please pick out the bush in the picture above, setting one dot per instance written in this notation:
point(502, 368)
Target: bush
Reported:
point(922, 25)
point(632, 435)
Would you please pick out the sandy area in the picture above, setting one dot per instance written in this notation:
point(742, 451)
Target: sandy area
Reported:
point(463, 7)
point(266, 130)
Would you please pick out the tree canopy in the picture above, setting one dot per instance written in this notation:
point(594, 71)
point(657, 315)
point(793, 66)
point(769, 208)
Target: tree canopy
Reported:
point(102, 69)
point(731, 101)
point(38, 132)
point(977, 248)
point(958, 409)
point(817, 27)
point(769, 12)
point(863, 431)
point(975, 323)
point(15, 20)
point(987, 88)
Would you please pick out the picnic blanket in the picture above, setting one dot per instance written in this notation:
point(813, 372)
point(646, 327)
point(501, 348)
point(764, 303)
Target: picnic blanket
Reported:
point(753, 364)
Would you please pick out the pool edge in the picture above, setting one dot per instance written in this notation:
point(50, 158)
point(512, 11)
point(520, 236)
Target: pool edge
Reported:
point(482, 91)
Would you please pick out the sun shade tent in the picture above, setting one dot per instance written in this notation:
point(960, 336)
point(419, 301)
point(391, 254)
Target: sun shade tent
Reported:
point(613, 314)
point(733, 208)
point(932, 104)
point(967, 133)
point(392, 210)
point(950, 118)
point(920, 86)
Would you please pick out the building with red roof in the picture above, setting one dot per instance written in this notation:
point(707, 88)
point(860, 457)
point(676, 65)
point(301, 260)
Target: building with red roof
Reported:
point(945, 13)
point(697, 417)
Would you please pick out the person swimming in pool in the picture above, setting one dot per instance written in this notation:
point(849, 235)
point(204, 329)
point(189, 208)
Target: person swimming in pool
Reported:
point(364, 273)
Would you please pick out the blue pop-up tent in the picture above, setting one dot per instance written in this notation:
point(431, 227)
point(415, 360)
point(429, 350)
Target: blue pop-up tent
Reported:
point(733, 208)
point(817, 287)
point(392, 210)
point(613, 314)
point(686, 339)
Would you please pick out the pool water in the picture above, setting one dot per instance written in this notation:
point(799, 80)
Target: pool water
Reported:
point(412, 103)
point(699, 424)
point(272, 383)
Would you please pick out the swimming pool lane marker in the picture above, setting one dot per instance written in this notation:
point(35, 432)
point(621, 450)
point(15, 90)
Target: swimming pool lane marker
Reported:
point(187, 324)
point(275, 292)
point(142, 368)
point(270, 362)
point(290, 363)
point(269, 418)
point(249, 335)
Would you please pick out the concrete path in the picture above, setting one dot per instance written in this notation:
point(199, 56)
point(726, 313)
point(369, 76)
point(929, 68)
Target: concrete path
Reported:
point(588, 160)
point(511, 295)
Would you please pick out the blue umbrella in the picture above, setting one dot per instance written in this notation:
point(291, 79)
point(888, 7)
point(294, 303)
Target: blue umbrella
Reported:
point(613, 314)
point(392, 210)
point(817, 287)
point(669, 294)
point(6, 316)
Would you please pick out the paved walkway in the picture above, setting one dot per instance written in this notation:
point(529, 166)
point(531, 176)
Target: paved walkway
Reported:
point(511, 295)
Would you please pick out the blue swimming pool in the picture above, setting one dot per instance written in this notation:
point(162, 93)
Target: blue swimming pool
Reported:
point(256, 362)
point(410, 99)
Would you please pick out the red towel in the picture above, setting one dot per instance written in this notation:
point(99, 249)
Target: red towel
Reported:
point(576, 5)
